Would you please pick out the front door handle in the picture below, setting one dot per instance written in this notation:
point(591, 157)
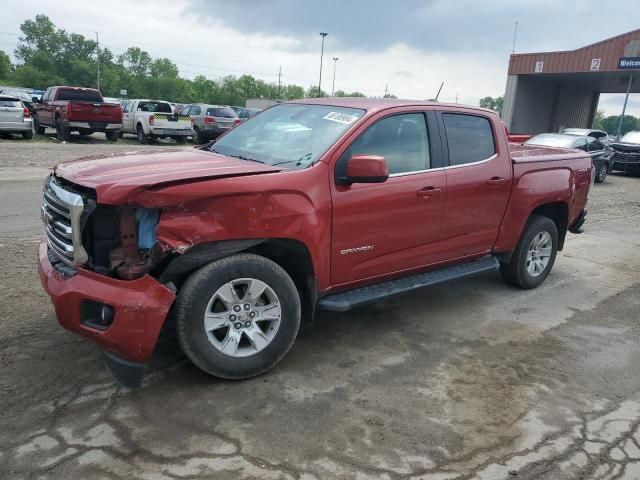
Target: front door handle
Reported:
point(427, 192)
point(495, 181)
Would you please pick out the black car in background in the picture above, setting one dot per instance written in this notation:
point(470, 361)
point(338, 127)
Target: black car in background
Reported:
point(626, 153)
point(600, 154)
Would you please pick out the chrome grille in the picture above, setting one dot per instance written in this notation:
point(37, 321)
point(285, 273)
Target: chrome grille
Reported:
point(61, 214)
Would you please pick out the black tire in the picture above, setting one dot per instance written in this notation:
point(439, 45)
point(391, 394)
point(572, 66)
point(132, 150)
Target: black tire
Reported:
point(112, 135)
point(515, 272)
point(180, 140)
point(28, 135)
point(62, 133)
point(197, 137)
point(602, 170)
point(192, 302)
point(120, 134)
point(143, 139)
point(39, 128)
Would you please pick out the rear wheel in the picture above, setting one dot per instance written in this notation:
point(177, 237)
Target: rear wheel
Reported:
point(197, 137)
point(142, 137)
point(238, 316)
point(28, 135)
point(62, 133)
point(535, 254)
point(601, 174)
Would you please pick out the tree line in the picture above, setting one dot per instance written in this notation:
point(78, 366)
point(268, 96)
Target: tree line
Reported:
point(47, 56)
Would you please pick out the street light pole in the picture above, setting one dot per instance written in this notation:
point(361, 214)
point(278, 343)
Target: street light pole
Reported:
point(322, 34)
point(333, 85)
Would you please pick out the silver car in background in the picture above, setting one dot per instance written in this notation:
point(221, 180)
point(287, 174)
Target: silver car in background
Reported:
point(209, 121)
point(15, 117)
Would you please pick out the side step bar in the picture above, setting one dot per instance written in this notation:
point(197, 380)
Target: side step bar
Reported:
point(341, 302)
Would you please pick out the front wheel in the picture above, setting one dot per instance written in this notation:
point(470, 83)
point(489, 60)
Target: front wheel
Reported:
point(112, 135)
point(28, 135)
point(238, 316)
point(535, 254)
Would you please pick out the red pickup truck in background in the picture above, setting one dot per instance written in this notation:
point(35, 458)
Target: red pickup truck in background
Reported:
point(83, 110)
point(315, 204)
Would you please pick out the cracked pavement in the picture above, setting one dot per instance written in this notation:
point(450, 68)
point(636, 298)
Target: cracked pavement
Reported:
point(467, 380)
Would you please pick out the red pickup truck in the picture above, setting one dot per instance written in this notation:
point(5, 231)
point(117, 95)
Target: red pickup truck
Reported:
point(69, 109)
point(315, 204)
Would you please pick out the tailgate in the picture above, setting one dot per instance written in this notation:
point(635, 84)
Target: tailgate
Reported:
point(95, 112)
point(171, 121)
point(11, 114)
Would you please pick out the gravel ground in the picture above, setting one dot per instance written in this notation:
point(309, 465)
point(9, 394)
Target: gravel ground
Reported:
point(472, 379)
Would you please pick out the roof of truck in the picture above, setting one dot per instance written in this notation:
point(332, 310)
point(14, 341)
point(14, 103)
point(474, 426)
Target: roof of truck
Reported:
point(380, 103)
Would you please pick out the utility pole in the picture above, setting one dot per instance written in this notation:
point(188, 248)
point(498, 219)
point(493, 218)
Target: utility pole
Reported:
point(98, 58)
point(386, 89)
point(322, 34)
point(279, 82)
point(624, 107)
point(333, 85)
point(515, 33)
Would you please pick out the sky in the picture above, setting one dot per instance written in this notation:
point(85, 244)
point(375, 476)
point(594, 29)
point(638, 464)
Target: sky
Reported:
point(405, 46)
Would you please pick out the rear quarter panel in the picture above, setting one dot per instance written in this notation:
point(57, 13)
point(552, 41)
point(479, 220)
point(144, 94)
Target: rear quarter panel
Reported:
point(542, 181)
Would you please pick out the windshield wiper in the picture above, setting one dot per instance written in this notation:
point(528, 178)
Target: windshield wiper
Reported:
point(242, 157)
point(297, 162)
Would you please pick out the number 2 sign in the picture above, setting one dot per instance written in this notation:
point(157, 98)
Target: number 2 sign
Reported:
point(595, 64)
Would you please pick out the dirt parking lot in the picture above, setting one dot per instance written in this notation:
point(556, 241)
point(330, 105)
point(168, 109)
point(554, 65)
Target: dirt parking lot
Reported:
point(471, 380)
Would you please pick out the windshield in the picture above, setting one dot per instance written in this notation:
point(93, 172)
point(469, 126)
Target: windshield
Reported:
point(159, 107)
point(564, 141)
point(292, 134)
point(631, 137)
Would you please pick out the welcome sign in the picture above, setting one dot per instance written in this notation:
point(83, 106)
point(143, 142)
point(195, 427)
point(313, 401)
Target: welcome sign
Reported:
point(629, 63)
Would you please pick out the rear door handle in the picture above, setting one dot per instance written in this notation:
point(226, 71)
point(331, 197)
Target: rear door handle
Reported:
point(495, 181)
point(429, 192)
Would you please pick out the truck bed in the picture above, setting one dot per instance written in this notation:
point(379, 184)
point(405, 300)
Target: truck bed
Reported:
point(535, 153)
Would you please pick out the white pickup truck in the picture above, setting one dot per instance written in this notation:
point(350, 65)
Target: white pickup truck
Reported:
point(150, 119)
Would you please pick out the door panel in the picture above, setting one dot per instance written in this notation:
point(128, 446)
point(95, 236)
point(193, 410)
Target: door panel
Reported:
point(478, 185)
point(391, 223)
point(382, 228)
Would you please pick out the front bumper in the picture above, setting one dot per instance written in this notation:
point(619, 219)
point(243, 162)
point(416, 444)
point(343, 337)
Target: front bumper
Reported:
point(140, 306)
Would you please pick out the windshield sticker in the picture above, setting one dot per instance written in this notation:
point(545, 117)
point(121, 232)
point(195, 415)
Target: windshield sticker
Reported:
point(340, 118)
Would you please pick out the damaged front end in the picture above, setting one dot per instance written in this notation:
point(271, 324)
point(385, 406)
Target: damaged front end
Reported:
point(97, 264)
point(121, 241)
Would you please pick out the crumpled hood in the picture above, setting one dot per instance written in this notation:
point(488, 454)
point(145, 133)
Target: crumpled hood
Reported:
point(117, 178)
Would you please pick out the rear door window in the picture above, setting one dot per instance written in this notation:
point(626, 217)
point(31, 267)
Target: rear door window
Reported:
point(594, 145)
point(222, 112)
point(469, 137)
point(79, 94)
point(195, 110)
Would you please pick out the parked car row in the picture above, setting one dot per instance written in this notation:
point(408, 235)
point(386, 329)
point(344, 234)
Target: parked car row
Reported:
point(86, 111)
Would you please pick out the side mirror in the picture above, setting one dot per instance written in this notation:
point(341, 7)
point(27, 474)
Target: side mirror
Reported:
point(366, 169)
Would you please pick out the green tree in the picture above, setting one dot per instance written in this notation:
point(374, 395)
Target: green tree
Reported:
point(610, 124)
point(492, 103)
point(598, 118)
point(136, 61)
point(312, 92)
point(342, 93)
point(5, 66)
